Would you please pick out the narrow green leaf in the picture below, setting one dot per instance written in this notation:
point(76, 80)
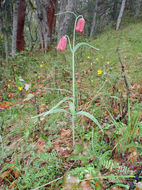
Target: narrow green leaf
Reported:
point(51, 110)
point(114, 122)
point(58, 111)
point(82, 44)
point(90, 117)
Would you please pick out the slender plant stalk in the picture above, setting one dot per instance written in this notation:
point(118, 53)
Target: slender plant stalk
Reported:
point(66, 12)
point(73, 79)
point(73, 86)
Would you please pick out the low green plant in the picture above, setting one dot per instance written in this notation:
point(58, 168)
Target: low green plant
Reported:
point(43, 168)
point(37, 168)
point(129, 133)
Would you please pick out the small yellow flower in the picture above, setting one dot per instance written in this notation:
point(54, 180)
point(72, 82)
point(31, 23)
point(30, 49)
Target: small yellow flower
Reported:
point(8, 85)
point(41, 66)
point(102, 57)
point(88, 57)
point(97, 59)
point(100, 72)
point(9, 80)
point(42, 63)
point(20, 88)
point(108, 62)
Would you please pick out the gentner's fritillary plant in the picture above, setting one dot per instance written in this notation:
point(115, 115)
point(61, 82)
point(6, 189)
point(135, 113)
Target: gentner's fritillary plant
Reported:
point(78, 26)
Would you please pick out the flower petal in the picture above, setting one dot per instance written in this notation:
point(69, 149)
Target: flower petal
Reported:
point(62, 44)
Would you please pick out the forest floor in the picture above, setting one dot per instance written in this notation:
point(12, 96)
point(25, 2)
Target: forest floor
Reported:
point(38, 152)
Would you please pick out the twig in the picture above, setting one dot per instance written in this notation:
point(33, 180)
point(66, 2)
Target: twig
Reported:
point(49, 183)
point(127, 87)
point(54, 179)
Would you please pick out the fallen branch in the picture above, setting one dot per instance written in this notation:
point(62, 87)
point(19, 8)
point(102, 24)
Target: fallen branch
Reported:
point(127, 88)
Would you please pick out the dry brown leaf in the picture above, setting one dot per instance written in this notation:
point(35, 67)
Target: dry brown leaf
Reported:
point(42, 107)
point(11, 95)
point(116, 111)
point(16, 174)
point(65, 133)
point(85, 185)
point(42, 110)
point(64, 151)
point(133, 156)
point(4, 175)
point(41, 144)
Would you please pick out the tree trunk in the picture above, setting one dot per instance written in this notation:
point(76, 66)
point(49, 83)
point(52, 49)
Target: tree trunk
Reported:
point(5, 38)
point(6, 46)
point(20, 28)
point(51, 8)
point(102, 19)
point(115, 9)
point(43, 23)
point(60, 18)
point(15, 26)
point(137, 7)
point(64, 23)
point(94, 19)
point(120, 14)
point(6, 23)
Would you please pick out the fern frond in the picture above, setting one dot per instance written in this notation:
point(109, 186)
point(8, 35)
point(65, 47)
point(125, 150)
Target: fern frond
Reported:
point(110, 165)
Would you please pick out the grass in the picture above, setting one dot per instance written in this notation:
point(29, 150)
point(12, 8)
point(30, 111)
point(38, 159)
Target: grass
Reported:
point(33, 155)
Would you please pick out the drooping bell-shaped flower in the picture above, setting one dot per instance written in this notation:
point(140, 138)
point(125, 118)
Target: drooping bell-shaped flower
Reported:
point(62, 44)
point(80, 25)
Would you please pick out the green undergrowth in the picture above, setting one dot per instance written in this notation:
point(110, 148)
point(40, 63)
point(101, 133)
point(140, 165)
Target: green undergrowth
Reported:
point(103, 95)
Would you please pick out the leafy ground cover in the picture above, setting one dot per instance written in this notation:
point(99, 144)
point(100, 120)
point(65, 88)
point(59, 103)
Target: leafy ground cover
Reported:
point(38, 152)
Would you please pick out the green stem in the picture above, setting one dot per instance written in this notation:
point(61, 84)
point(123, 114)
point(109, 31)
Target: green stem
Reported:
point(69, 43)
point(73, 89)
point(65, 13)
point(73, 79)
point(73, 129)
point(73, 47)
